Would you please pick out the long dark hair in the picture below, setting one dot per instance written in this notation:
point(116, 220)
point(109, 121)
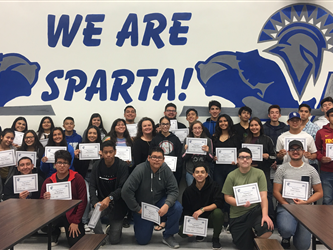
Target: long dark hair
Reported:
point(140, 133)
point(101, 126)
point(218, 130)
point(98, 140)
point(250, 134)
point(51, 141)
point(203, 134)
point(6, 131)
point(19, 119)
point(113, 133)
point(40, 130)
point(37, 145)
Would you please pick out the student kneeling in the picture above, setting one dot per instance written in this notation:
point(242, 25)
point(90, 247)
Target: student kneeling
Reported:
point(205, 199)
point(250, 217)
point(73, 219)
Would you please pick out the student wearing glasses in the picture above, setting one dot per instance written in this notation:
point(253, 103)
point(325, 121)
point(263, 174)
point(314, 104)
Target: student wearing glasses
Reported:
point(249, 220)
point(170, 111)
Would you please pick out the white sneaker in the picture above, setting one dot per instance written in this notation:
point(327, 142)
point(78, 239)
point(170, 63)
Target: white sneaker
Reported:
point(86, 228)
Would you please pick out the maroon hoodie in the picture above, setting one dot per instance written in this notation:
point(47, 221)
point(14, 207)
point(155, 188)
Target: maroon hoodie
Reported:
point(323, 137)
point(79, 192)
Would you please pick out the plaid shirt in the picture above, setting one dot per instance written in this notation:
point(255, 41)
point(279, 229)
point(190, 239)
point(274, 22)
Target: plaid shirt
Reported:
point(312, 130)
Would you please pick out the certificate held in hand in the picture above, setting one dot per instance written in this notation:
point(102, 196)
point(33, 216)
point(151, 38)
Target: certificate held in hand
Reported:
point(195, 227)
point(248, 192)
point(28, 182)
point(150, 212)
point(60, 190)
point(194, 145)
point(89, 151)
point(293, 189)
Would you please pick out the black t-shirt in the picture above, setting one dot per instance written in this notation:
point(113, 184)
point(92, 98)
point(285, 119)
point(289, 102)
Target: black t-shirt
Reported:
point(108, 177)
point(62, 180)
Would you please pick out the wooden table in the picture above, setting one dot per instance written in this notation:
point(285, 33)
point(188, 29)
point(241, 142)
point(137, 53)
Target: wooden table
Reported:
point(21, 218)
point(318, 219)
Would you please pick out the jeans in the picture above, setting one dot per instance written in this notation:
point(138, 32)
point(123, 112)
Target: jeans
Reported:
point(327, 182)
point(189, 178)
point(85, 217)
point(143, 229)
point(288, 226)
point(115, 230)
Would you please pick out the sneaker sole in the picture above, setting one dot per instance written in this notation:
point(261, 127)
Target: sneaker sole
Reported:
point(166, 243)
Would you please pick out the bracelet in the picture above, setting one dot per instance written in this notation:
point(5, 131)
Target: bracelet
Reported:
point(202, 209)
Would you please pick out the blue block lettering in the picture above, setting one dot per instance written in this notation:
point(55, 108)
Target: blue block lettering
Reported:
point(46, 96)
point(63, 27)
point(168, 75)
point(177, 29)
point(72, 86)
point(119, 88)
point(146, 74)
point(154, 33)
point(91, 30)
point(131, 22)
point(100, 76)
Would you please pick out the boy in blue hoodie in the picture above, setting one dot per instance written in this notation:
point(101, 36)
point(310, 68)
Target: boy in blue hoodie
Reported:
point(71, 136)
point(214, 111)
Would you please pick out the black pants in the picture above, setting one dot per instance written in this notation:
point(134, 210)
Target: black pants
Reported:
point(63, 222)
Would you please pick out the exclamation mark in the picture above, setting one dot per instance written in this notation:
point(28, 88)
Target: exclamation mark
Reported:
point(186, 81)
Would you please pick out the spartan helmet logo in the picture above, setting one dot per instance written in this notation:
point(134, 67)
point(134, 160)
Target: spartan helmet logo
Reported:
point(303, 32)
point(17, 77)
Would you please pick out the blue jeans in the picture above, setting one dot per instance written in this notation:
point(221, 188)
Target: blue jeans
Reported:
point(327, 182)
point(288, 226)
point(143, 229)
point(189, 178)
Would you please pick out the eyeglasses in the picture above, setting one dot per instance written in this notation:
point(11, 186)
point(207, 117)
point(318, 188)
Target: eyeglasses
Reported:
point(157, 158)
point(295, 149)
point(170, 111)
point(59, 163)
point(165, 124)
point(244, 157)
point(29, 138)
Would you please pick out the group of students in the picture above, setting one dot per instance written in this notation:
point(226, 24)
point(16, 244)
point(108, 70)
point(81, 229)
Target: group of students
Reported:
point(121, 186)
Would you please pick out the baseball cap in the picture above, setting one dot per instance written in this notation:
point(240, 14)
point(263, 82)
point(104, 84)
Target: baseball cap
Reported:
point(293, 115)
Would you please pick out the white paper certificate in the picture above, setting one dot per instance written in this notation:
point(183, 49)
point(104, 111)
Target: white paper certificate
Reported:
point(49, 152)
point(293, 189)
point(329, 150)
point(226, 155)
point(31, 155)
point(60, 190)
point(89, 151)
point(132, 129)
point(7, 158)
point(181, 133)
point(44, 141)
point(195, 227)
point(95, 216)
point(256, 149)
point(18, 139)
point(248, 192)
point(124, 153)
point(173, 125)
point(28, 182)
point(171, 161)
point(150, 212)
point(194, 145)
point(289, 139)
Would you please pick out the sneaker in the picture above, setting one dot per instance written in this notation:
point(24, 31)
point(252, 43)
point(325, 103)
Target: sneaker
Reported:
point(86, 228)
point(199, 238)
point(171, 242)
point(126, 223)
point(54, 239)
point(285, 243)
point(216, 244)
point(227, 230)
point(107, 230)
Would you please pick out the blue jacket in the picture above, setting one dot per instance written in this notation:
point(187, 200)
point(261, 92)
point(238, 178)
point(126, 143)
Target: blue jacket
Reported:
point(74, 139)
point(210, 125)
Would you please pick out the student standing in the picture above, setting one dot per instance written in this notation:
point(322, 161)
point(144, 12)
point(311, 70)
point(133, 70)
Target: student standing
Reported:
point(71, 136)
point(325, 105)
point(57, 138)
point(242, 128)
point(146, 133)
point(6, 143)
point(192, 116)
point(129, 114)
point(119, 134)
point(196, 131)
point(96, 120)
point(46, 125)
point(214, 111)
point(170, 111)
point(20, 125)
point(31, 143)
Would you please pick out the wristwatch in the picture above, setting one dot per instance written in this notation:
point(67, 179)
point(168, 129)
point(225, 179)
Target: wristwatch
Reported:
point(111, 198)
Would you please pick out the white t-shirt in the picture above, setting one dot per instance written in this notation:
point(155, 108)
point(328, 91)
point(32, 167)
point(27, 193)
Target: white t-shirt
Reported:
point(310, 144)
point(321, 122)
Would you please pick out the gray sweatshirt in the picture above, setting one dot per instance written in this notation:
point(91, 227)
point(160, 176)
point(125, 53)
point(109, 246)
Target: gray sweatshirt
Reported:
point(143, 185)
